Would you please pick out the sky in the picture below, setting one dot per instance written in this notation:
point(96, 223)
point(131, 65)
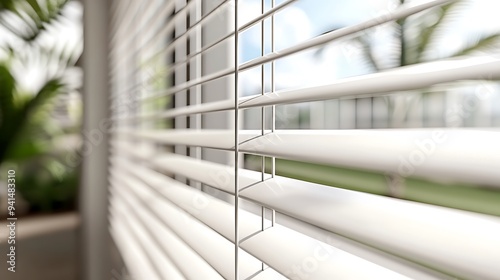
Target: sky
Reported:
point(297, 23)
point(307, 19)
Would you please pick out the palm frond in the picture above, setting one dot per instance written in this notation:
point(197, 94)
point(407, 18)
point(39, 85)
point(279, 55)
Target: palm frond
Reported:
point(32, 16)
point(7, 87)
point(7, 109)
point(368, 53)
point(485, 42)
point(12, 127)
point(49, 62)
point(49, 90)
point(402, 39)
point(6, 4)
point(319, 51)
point(428, 32)
point(35, 7)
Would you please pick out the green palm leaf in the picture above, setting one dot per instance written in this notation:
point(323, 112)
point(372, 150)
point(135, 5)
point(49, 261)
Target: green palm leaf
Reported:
point(12, 127)
point(485, 42)
point(368, 53)
point(30, 16)
point(7, 109)
point(7, 87)
point(428, 32)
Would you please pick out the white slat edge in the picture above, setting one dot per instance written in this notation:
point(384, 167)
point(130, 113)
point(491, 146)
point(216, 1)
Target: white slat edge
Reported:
point(179, 252)
point(406, 78)
point(190, 230)
point(161, 262)
point(436, 234)
point(446, 155)
point(281, 256)
point(134, 258)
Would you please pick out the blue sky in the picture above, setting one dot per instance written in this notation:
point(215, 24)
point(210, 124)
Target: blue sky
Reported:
point(306, 19)
point(299, 22)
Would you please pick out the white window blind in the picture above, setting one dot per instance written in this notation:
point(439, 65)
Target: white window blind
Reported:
point(184, 203)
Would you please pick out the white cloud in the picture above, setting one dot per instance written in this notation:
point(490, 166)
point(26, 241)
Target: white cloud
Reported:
point(292, 26)
point(303, 21)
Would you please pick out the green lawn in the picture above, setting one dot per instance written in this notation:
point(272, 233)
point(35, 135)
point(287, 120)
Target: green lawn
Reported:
point(459, 196)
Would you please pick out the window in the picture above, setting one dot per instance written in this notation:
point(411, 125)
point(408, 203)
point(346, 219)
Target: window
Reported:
point(252, 156)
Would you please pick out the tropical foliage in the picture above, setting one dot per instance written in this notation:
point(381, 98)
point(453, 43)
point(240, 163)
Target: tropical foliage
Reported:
point(27, 128)
point(417, 40)
point(27, 19)
point(429, 26)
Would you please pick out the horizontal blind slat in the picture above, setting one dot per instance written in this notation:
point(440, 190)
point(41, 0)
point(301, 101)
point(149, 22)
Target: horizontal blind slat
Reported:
point(179, 252)
point(300, 257)
point(403, 11)
point(406, 78)
point(133, 256)
point(214, 248)
point(385, 223)
point(456, 242)
point(437, 154)
point(317, 41)
point(167, 270)
point(277, 254)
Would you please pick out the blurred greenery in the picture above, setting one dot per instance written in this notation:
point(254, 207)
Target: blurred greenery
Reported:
point(458, 196)
point(417, 39)
point(27, 127)
point(27, 19)
point(410, 50)
point(155, 71)
point(429, 26)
